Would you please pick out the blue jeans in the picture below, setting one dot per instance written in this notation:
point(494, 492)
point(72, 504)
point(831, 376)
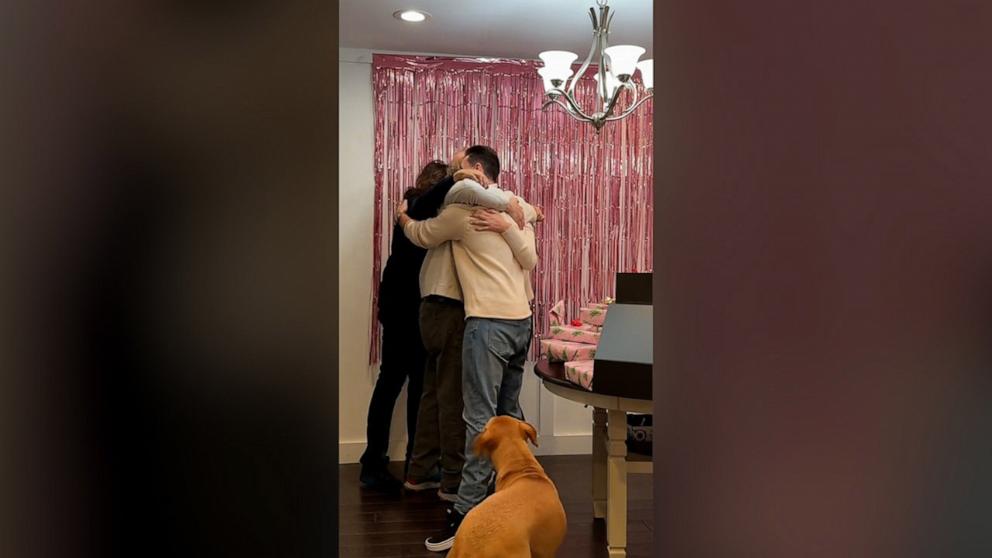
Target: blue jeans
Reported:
point(493, 357)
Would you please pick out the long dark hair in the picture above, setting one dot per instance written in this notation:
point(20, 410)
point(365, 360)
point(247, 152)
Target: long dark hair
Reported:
point(431, 174)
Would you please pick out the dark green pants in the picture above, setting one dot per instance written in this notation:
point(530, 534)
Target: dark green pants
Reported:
point(440, 439)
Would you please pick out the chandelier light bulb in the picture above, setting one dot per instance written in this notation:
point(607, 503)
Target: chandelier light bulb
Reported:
point(623, 59)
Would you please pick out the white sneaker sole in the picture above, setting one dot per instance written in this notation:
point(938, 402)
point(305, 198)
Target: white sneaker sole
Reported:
point(447, 497)
point(441, 546)
point(426, 485)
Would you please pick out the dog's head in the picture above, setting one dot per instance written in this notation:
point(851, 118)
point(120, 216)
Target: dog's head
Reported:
point(502, 428)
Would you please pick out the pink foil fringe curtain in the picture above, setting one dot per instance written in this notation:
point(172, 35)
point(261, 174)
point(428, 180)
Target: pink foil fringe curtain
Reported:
point(596, 191)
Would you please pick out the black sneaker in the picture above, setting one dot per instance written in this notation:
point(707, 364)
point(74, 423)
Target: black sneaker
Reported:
point(380, 480)
point(443, 540)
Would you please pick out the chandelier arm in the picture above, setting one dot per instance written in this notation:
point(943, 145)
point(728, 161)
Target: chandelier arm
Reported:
point(613, 102)
point(576, 109)
point(550, 102)
point(585, 65)
point(604, 43)
point(630, 109)
point(578, 116)
point(601, 94)
point(630, 85)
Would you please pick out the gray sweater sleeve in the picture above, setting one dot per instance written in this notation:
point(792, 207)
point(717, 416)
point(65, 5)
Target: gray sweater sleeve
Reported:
point(470, 192)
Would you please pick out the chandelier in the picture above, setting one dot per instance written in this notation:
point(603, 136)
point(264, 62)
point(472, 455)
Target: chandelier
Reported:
point(615, 69)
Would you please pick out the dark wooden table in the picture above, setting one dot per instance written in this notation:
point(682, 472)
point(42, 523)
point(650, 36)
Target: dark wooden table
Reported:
point(611, 463)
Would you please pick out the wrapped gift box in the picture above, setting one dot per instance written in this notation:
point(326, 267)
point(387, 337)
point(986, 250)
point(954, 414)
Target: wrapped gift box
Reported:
point(563, 351)
point(588, 327)
point(600, 305)
point(577, 334)
point(594, 316)
point(579, 372)
point(557, 313)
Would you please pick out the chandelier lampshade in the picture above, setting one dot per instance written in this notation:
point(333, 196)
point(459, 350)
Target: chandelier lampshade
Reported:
point(623, 60)
point(546, 74)
point(646, 68)
point(558, 63)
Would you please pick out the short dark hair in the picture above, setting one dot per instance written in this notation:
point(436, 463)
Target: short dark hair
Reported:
point(485, 156)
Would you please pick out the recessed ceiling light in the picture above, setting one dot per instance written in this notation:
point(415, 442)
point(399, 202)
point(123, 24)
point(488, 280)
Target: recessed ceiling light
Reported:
point(411, 16)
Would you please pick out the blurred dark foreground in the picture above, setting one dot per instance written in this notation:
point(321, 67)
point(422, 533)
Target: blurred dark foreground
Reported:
point(168, 382)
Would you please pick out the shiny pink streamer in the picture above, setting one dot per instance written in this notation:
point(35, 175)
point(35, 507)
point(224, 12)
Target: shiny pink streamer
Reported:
point(596, 190)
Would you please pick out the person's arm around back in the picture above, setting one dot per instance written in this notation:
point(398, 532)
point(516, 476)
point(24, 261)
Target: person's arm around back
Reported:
point(470, 192)
point(526, 251)
point(448, 225)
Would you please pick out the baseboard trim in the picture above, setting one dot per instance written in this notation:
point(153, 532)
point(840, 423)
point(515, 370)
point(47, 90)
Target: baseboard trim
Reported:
point(578, 444)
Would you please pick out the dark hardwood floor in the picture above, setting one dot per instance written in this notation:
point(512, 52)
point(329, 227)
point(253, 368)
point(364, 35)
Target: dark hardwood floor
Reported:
point(373, 525)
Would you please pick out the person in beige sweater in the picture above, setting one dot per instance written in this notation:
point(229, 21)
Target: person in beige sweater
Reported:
point(439, 447)
point(492, 269)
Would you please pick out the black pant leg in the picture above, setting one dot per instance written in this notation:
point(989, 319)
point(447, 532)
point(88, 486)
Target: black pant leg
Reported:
point(393, 372)
point(415, 387)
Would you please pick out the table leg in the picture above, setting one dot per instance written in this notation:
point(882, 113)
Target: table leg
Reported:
point(599, 492)
point(616, 503)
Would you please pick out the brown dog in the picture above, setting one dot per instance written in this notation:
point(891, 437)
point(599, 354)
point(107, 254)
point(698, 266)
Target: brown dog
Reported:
point(524, 518)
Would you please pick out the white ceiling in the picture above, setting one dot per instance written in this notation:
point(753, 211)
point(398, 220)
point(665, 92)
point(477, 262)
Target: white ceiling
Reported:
point(491, 28)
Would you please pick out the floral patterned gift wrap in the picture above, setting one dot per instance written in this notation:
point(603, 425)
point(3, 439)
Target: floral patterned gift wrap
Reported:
point(556, 316)
point(563, 351)
point(579, 372)
point(577, 334)
point(592, 315)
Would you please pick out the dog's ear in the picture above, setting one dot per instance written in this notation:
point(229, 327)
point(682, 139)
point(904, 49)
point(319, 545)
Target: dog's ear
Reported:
point(530, 433)
point(483, 444)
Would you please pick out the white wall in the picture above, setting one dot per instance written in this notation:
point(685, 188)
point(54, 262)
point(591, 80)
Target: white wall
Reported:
point(564, 427)
point(357, 186)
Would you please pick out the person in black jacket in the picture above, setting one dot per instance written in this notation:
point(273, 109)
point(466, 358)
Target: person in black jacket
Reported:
point(403, 352)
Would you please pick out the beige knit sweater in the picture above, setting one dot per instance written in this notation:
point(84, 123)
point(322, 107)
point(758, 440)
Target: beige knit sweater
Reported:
point(492, 269)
